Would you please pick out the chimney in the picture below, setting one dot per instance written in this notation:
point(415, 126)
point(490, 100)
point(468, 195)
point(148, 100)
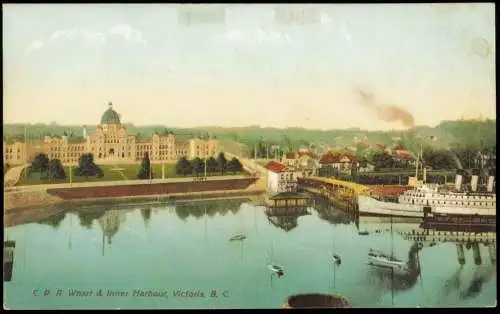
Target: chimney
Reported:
point(474, 179)
point(458, 181)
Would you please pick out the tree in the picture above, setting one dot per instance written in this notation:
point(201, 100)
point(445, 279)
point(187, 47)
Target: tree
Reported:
point(40, 163)
point(212, 165)
point(221, 163)
point(183, 167)
point(382, 160)
point(438, 159)
point(234, 165)
point(198, 166)
point(145, 171)
point(87, 167)
point(55, 171)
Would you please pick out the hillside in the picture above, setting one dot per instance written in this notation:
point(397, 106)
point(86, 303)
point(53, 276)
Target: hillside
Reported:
point(449, 133)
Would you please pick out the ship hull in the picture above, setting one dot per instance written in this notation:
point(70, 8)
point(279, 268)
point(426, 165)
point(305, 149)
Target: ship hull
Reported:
point(368, 206)
point(384, 265)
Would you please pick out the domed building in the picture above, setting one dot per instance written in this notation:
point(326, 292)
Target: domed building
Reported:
point(111, 143)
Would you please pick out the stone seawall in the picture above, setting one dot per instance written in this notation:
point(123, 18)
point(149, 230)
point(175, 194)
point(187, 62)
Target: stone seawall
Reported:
point(150, 189)
point(179, 190)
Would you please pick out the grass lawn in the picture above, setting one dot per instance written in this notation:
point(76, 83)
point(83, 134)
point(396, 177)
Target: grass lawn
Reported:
point(111, 173)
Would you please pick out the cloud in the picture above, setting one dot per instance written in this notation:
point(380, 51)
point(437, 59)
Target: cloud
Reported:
point(256, 36)
point(325, 19)
point(35, 45)
point(88, 36)
point(94, 37)
point(64, 34)
point(126, 31)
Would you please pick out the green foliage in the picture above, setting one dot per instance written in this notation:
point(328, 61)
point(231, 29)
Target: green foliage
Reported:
point(222, 163)
point(212, 165)
point(382, 160)
point(40, 163)
point(55, 171)
point(87, 167)
point(438, 159)
point(145, 171)
point(183, 167)
point(234, 165)
point(198, 166)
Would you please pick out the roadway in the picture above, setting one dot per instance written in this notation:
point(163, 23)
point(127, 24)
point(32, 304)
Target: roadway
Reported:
point(13, 175)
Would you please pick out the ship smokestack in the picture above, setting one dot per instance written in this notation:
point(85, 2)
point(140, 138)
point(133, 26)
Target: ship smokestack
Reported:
point(491, 180)
point(458, 180)
point(474, 179)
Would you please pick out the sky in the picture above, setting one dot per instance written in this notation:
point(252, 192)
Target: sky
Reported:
point(63, 63)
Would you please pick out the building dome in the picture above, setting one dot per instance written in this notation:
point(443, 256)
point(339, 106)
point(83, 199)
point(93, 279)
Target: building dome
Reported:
point(110, 116)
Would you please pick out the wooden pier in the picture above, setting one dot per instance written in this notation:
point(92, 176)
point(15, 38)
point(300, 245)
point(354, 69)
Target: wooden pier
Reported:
point(339, 197)
point(288, 200)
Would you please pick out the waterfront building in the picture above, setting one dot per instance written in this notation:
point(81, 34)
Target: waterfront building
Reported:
point(340, 161)
point(111, 143)
point(281, 178)
point(301, 160)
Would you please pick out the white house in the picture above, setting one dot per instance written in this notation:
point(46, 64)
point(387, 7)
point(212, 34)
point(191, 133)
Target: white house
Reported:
point(299, 160)
point(280, 178)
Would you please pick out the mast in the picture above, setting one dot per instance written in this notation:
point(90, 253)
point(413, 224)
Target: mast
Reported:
point(392, 269)
point(416, 166)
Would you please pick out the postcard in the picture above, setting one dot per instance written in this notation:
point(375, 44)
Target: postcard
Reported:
point(249, 156)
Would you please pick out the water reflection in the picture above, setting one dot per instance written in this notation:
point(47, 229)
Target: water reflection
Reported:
point(331, 214)
point(480, 277)
point(305, 252)
point(285, 218)
point(54, 220)
point(110, 223)
point(207, 208)
point(396, 281)
point(146, 214)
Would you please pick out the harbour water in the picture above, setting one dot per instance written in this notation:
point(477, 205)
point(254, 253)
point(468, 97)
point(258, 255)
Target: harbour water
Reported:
point(176, 255)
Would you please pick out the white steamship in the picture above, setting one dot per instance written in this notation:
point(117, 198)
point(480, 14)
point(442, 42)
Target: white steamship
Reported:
point(439, 201)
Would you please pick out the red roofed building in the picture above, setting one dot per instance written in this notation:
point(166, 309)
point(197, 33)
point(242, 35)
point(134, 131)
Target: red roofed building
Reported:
point(275, 167)
point(280, 178)
point(342, 161)
point(403, 158)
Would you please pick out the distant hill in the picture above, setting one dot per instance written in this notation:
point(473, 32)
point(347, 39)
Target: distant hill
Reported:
point(468, 133)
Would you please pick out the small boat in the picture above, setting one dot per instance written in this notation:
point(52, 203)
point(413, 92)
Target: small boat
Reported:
point(337, 259)
point(363, 233)
point(277, 269)
point(238, 237)
point(383, 260)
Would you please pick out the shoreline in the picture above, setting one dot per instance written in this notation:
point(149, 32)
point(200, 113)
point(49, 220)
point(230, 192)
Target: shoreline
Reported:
point(140, 199)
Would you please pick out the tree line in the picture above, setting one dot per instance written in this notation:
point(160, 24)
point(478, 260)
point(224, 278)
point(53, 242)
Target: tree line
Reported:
point(52, 169)
point(442, 159)
point(218, 166)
